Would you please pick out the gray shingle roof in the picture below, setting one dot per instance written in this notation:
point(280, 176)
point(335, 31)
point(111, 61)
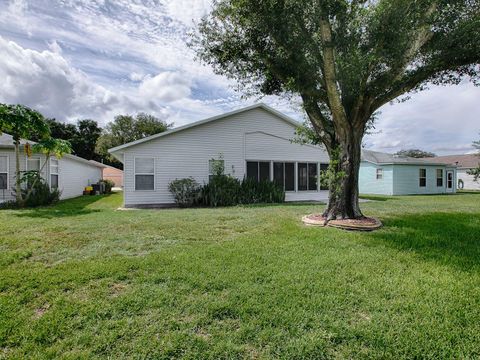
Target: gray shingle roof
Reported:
point(380, 158)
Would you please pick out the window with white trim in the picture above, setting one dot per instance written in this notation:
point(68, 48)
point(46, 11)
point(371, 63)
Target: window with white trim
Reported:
point(54, 173)
point(307, 176)
point(33, 164)
point(215, 167)
point(439, 177)
point(144, 173)
point(284, 175)
point(3, 173)
point(258, 170)
point(422, 174)
point(379, 174)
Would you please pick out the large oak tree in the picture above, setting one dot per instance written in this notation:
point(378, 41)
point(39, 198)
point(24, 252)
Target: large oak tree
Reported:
point(344, 59)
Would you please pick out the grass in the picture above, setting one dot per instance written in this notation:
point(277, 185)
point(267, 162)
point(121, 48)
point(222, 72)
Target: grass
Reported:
point(81, 280)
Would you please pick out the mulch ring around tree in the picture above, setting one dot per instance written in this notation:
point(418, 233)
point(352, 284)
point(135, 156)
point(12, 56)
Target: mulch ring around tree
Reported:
point(363, 224)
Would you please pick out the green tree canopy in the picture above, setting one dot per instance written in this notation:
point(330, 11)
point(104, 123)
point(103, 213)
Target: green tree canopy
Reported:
point(415, 153)
point(344, 59)
point(127, 128)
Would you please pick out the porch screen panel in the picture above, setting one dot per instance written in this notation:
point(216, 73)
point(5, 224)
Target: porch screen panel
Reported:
point(312, 176)
point(252, 170)
point(289, 177)
point(264, 171)
point(278, 169)
point(302, 177)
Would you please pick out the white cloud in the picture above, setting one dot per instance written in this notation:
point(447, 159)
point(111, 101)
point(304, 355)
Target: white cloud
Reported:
point(167, 87)
point(188, 11)
point(441, 119)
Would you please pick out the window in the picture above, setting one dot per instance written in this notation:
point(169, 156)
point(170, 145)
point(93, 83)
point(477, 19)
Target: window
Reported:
point(144, 174)
point(3, 173)
point(379, 174)
point(284, 175)
point(54, 173)
point(33, 164)
point(324, 182)
point(439, 177)
point(312, 176)
point(423, 177)
point(307, 176)
point(258, 170)
point(215, 167)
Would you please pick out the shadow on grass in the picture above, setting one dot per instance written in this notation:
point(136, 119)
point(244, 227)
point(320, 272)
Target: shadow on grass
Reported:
point(448, 238)
point(65, 208)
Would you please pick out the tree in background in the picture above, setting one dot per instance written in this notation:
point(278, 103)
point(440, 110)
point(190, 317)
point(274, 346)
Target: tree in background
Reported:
point(22, 123)
point(127, 128)
point(344, 59)
point(85, 139)
point(476, 172)
point(415, 153)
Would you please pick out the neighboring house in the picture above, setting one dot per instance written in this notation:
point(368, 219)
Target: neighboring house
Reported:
point(111, 173)
point(463, 163)
point(387, 174)
point(70, 174)
point(253, 142)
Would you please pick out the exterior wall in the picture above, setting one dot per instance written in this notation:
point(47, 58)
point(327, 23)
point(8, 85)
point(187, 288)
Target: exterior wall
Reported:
point(73, 176)
point(368, 182)
point(250, 135)
point(406, 180)
point(113, 174)
point(468, 183)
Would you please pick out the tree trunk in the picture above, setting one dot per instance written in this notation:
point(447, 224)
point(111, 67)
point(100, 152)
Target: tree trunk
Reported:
point(18, 188)
point(343, 177)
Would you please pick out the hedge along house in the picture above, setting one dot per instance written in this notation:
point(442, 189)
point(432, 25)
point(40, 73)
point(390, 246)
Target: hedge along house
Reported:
point(387, 174)
point(70, 174)
point(253, 142)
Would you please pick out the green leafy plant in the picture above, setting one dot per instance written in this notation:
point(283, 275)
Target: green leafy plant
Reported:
point(109, 184)
point(185, 191)
point(39, 192)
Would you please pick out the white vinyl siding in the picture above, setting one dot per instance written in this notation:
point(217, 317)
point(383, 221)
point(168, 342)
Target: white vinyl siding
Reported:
point(144, 174)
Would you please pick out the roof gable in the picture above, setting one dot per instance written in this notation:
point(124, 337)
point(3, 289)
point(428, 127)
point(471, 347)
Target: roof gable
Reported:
point(208, 120)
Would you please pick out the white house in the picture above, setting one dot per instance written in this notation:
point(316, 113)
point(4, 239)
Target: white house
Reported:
point(255, 142)
point(463, 163)
point(70, 174)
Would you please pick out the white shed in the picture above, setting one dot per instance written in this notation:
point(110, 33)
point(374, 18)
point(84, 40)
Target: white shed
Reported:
point(70, 173)
point(252, 142)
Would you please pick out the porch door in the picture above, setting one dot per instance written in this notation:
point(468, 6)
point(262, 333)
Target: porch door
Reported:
point(450, 182)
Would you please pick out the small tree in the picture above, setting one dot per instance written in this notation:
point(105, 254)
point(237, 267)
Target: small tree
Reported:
point(48, 147)
point(22, 123)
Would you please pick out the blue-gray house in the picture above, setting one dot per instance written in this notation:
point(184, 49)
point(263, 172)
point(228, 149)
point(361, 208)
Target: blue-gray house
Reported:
point(387, 174)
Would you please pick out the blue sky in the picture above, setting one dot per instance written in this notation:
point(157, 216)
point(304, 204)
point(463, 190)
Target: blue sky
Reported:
point(98, 58)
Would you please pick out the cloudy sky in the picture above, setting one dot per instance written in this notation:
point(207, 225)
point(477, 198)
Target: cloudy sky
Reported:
point(99, 58)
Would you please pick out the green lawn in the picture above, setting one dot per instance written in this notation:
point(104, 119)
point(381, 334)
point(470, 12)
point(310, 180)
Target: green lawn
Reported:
point(82, 280)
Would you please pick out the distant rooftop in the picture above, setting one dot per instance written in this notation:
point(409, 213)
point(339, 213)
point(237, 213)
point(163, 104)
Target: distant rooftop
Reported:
point(467, 161)
point(377, 157)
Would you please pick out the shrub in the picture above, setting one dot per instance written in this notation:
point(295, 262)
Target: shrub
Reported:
point(109, 184)
point(225, 190)
point(40, 192)
point(185, 191)
point(222, 190)
point(254, 192)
